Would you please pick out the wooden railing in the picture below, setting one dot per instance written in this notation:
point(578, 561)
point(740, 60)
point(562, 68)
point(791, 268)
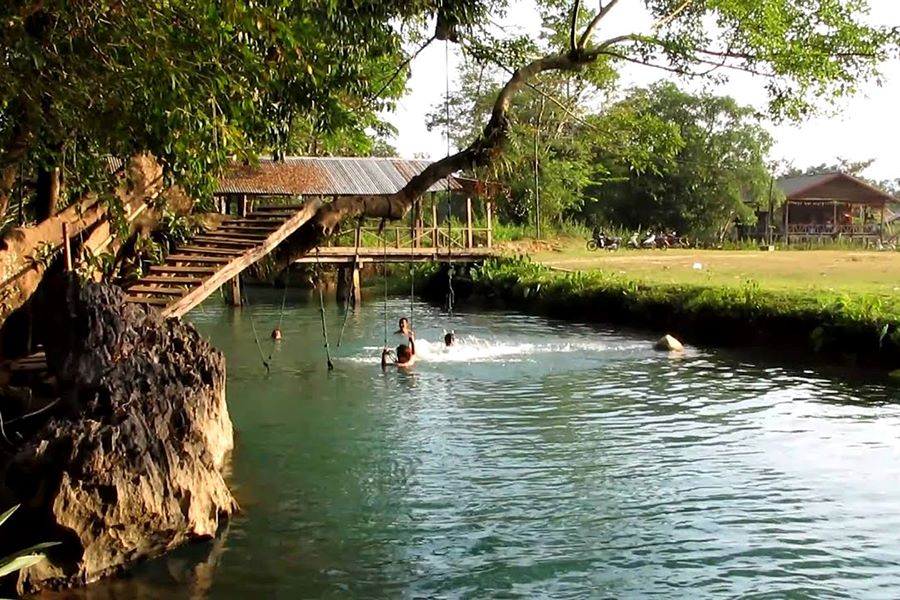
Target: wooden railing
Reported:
point(406, 237)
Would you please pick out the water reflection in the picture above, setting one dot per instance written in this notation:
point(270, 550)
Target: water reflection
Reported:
point(546, 459)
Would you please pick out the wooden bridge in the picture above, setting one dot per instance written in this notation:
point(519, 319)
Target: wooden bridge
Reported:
point(196, 269)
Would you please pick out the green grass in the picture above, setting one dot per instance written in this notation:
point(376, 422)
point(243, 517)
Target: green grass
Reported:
point(821, 273)
point(716, 309)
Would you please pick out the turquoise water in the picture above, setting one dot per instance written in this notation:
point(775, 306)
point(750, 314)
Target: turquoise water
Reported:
point(538, 459)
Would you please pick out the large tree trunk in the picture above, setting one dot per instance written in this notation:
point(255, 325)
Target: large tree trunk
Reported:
point(48, 185)
point(480, 153)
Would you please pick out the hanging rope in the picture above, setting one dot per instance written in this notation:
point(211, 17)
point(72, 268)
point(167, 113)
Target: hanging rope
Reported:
point(447, 134)
point(287, 279)
point(245, 298)
point(352, 288)
point(384, 276)
point(412, 270)
point(322, 312)
point(451, 295)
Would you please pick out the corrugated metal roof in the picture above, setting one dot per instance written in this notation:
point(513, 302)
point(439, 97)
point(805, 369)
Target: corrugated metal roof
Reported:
point(332, 176)
point(794, 185)
point(831, 187)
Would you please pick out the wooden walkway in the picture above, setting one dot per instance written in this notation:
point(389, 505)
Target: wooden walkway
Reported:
point(195, 270)
point(346, 255)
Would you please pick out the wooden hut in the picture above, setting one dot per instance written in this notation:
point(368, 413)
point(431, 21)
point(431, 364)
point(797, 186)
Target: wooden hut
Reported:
point(827, 206)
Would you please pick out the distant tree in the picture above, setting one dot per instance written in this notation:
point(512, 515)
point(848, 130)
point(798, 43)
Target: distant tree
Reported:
point(702, 162)
point(843, 165)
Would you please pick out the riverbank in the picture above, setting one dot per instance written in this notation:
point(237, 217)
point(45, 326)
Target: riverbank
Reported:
point(857, 329)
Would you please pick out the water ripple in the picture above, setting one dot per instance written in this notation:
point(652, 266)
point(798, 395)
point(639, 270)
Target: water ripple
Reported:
point(553, 460)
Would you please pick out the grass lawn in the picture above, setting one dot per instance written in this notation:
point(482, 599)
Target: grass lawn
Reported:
point(841, 271)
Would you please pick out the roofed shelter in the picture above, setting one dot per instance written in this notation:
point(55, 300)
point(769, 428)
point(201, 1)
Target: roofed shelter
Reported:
point(334, 177)
point(831, 205)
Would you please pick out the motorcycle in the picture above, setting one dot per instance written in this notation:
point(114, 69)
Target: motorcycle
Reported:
point(601, 240)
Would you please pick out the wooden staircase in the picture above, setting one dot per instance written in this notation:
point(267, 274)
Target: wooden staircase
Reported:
point(198, 268)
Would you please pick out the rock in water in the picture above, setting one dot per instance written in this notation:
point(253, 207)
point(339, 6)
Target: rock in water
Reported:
point(135, 465)
point(667, 343)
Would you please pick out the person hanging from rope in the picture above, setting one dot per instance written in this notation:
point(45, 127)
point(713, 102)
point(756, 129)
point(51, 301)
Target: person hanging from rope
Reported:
point(276, 334)
point(405, 355)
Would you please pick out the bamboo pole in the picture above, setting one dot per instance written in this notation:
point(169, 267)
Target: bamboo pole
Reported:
point(434, 222)
point(67, 247)
point(489, 209)
point(469, 243)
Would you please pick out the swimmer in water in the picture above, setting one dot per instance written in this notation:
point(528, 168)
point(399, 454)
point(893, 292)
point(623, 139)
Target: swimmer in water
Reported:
point(406, 354)
point(404, 329)
point(276, 334)
point(449, 339)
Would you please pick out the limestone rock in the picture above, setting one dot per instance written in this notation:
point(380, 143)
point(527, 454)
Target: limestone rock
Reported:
point(668, 343)
point(133, 467)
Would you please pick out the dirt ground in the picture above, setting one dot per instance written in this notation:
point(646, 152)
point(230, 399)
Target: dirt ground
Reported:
point(832, 270)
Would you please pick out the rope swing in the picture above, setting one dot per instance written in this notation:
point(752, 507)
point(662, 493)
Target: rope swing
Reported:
point(322, 311)
point(450, 271)
point(351, 289)
point(246, 300)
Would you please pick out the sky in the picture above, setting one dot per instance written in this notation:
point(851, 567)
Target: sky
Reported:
point(864, 127)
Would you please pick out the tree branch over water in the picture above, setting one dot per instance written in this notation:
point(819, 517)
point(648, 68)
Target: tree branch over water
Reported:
point(772, 48)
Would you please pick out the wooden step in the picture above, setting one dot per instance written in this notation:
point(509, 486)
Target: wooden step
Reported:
point(245, 229)
point(172, 280)
point(291, 208)
point(148, 301)
point(228, 239)
point(211, 251)
point(190, 269)
point(219, 260)
point(162, 291)
point(255, 220)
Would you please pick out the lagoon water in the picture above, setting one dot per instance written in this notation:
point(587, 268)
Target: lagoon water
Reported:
point(537, 459)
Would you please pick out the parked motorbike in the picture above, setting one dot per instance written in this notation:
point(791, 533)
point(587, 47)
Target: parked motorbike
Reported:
point(601, 240)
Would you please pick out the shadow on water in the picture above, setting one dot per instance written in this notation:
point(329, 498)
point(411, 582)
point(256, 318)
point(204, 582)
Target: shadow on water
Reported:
point(538, 459)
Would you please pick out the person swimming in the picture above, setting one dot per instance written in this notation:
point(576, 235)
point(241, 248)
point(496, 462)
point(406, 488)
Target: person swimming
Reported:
point(405, 357)
point(276, 334)
point(449, 339)
point(404, 328)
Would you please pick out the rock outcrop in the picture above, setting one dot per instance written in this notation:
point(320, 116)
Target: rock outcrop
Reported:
point(131, 465)
point(668, 343)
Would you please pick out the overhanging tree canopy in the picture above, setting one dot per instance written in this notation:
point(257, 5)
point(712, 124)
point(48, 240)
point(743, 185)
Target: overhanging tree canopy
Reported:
point(804, 49)
point(197, 80)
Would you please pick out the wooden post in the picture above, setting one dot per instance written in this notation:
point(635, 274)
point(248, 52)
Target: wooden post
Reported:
point(342, 291)
point(469, 243)
point(242, 206)
point(417, 224)
point(355, 282)
point(881, 229)
point(397, 236)
point(834, 220)
point(233, 291)
point(787, 221)
point(434, 222)
point(488, 209)
point(67, 247)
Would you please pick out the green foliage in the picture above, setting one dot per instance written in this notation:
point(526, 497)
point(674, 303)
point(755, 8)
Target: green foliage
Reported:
point(198, 81)
point(692, 163)
point(857, 323)
point(23, 558)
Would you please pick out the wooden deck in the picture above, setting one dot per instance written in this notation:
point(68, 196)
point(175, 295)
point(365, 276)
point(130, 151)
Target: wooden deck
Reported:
point(198, 268)
point(349, 255)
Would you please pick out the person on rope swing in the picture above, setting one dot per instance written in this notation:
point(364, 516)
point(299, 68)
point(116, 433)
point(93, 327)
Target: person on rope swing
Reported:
point(406, 354)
